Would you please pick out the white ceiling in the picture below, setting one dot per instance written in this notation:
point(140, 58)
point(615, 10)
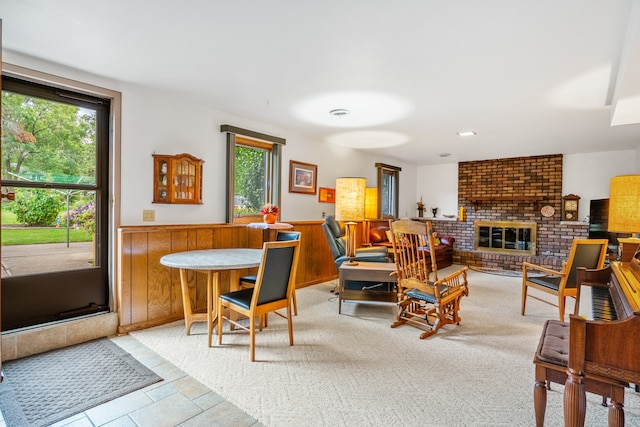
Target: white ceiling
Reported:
point(530, 77)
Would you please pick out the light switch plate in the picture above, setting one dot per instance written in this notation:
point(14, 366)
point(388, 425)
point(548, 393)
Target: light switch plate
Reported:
point(148, 215)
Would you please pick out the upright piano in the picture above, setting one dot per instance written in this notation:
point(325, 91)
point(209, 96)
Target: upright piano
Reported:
point(605, 349)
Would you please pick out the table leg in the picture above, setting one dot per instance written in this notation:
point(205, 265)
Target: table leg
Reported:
point(213, 282)
point(186, 301)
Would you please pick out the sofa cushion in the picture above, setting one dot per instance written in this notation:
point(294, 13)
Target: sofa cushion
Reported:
point(447, 240)
point(378, 234)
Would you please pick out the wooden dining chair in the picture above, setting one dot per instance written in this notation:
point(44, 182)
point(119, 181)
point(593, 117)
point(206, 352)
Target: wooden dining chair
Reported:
point(588, 253)
point(272, 291)
point(249, 281)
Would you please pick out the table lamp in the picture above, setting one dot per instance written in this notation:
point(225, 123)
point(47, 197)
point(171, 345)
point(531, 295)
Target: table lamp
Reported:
point(624, 207)
point(350, 201)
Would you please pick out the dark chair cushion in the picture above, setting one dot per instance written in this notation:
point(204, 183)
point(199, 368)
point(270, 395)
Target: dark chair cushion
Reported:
point(554, 343)
point(241, 297)
point(334, 226)
point(428, 294)
point(550, 282)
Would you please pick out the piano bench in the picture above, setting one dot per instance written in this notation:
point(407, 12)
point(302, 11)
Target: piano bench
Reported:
point(551, 360)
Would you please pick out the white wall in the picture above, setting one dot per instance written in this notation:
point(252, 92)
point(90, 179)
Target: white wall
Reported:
point(586, 175)
point(438, 187)
point(157, 123)
point(154, 122)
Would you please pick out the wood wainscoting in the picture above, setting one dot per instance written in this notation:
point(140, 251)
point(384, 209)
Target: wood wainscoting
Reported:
point(149, 294)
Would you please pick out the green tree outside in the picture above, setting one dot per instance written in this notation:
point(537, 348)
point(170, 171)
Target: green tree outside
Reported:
point(46, 141)
point(250, 179)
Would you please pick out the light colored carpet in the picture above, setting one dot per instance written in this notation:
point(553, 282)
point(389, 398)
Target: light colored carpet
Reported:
point(354, 370)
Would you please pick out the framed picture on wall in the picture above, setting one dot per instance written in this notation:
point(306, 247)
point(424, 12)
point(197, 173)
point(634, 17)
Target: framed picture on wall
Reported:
point(302, 177)
point(327, 195)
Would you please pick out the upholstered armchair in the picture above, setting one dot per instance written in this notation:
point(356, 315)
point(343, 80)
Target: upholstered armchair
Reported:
point(337, 244)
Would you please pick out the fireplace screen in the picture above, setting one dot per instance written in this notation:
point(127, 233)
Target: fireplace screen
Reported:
point(506, 237)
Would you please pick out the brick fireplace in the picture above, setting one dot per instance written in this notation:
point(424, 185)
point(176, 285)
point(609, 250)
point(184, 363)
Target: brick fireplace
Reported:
point(512, 190)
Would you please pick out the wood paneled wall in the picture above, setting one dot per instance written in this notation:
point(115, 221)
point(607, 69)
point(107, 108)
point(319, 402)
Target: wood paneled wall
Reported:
point(149, 294)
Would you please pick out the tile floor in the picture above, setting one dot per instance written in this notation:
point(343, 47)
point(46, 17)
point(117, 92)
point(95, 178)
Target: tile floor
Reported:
point(178, 400)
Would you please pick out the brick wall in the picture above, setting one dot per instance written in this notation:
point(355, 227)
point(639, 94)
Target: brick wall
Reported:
point(513, 189)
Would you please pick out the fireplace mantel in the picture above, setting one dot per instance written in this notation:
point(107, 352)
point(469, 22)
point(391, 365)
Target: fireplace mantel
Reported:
point(478, 200)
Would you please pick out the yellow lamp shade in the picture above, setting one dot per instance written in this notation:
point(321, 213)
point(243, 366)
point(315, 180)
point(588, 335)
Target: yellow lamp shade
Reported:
point(624, 204)
point(371, 203)
point(350, 197)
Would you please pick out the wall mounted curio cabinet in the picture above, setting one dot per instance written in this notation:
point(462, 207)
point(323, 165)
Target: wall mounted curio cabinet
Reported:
point(177, 179)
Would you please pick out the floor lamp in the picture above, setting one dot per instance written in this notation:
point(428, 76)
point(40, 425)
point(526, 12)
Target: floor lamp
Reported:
point(624, 210)
point(350, 198)
point(370, 212)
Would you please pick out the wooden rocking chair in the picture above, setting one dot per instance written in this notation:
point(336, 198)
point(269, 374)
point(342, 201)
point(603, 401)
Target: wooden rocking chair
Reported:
point(425, 304)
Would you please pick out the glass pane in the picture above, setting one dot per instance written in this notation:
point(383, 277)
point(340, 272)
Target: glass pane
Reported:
point(47, 230)
point(483, 237)
point(510, 238)
point(496, 237)
point(250, 181)
point(47, 141)
point(387, 194)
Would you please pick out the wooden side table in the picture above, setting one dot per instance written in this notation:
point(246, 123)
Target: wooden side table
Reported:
point(369, 272)
point(269, 231)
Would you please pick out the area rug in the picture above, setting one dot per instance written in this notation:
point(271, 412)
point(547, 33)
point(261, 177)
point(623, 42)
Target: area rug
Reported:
point(42, 389)
point(352, 369)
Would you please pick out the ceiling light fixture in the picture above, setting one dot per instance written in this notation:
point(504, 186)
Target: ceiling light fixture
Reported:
point(444, 154)
point(339, 112)
point(467, 133)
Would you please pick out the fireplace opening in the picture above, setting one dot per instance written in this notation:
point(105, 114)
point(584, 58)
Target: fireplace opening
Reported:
point(506, 237)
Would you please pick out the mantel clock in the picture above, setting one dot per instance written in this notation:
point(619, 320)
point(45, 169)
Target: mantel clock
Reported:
point(570, 207)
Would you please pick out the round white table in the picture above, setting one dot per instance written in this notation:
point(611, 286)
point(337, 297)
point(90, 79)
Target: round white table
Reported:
point(211, 262)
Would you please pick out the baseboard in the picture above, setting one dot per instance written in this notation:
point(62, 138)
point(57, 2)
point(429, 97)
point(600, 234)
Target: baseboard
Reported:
point(22, 343)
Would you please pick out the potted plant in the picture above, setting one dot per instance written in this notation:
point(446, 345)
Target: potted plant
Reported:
point(270, 213)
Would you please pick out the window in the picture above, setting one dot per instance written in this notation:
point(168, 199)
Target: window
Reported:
point(55, 146)
point(254, 169)
point(388, 190)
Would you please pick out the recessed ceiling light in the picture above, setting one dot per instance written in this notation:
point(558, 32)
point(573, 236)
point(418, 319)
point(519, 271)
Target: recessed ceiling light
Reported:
point(365, 109)
point(467, 133)
point(339, 112)
point(444, 154)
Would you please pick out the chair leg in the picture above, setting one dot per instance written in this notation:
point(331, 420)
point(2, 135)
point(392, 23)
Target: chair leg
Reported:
point(252, 334)
point(540, 395)
point(220, 322)
point(290, 324)
point(294, 301)
point(524, 296)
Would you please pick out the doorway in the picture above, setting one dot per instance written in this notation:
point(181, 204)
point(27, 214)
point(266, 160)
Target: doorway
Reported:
point(55, 204)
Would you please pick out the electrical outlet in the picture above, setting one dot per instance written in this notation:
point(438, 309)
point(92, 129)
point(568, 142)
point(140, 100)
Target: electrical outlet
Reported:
point(148, 215)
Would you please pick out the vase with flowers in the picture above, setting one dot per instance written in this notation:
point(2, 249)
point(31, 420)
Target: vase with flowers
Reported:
point(420, 206)
point(270, 213)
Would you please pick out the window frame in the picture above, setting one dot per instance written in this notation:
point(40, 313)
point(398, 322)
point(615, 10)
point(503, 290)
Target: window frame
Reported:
point(73, 286)
point(394, 199)
point(237, 136)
